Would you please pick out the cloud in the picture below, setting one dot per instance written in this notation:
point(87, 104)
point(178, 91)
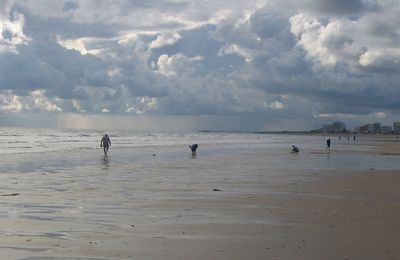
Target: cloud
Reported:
point(329, 8)
point(164, 39)
point(298, 60)
point(11, 31)
point(36, 101)
point(380, 114)
point(70, 6)
point(177, 64)
point(275, 105)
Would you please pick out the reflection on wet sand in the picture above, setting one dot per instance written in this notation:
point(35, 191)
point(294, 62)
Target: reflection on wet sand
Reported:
point(105, 162)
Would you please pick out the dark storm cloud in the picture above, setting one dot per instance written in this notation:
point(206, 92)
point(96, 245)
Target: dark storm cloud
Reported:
point(270, 25)
point(70, 6)
point(347, 8)
point(22, 73)
point(50, 26)
point(338, 6)
point(48, 66)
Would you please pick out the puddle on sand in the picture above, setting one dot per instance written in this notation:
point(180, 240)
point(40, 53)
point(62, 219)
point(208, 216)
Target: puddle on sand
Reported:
point(63, 258)
point(24, 248)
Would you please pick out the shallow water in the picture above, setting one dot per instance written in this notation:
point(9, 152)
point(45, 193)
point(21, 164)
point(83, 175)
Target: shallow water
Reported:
point(53, 150)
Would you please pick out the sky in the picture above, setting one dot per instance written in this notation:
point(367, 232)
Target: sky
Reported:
point(180, 65)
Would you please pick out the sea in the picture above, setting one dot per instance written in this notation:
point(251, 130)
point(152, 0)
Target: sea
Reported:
point(35, 149)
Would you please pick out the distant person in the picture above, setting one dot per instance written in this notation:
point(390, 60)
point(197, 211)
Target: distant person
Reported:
point(105, 143)
point(295, 149)
point(354, 138)
point(328, 144)
point(339, 137)
point(348, 138)
point(193, 148)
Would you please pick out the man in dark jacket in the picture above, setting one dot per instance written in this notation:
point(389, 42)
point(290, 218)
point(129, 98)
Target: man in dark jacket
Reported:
point(105, 143)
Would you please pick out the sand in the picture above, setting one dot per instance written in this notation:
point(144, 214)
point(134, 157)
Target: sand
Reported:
point(226, 206)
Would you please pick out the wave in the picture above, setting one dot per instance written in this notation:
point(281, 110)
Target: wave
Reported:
point(43, 140)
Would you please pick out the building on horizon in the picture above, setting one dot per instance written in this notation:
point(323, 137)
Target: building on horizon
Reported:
point(335, 127)
point(370, 129)
point(396, 128)
point(362, 129)
point(386, 129)
point(376, 128)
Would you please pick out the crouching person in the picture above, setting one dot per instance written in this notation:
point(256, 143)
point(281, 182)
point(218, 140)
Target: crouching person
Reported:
point(295, 149)
point(193, 147)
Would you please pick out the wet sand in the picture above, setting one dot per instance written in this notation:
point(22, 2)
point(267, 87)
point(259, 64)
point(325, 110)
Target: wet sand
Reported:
point(233, 206)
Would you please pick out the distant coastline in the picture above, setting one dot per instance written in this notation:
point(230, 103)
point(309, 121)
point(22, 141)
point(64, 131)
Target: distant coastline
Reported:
point(252, 132)
point(310, 132)
point(261, 132)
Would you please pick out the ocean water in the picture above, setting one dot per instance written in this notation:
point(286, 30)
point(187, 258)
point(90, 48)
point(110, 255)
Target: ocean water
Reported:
point(32, 149)
point(34, 140)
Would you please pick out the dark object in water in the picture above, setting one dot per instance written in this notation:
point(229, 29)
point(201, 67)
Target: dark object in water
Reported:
point(295, 149)
point(217, 190)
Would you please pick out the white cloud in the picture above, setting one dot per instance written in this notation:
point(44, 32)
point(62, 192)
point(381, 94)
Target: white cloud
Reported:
point(11, 32)
point(11, 103)
point(314, 37)
point(79, 45)
point(130, 110)
point(145, 105)
point(380, 114)
point(235, 49)
point(333, 115)
point(164, 39)
point(369, 41)
point(164, 64)
point(42, 102)
point(36, 101)
point(176, 64)
point(274, 105)
point(76, 104)
point(388, 58)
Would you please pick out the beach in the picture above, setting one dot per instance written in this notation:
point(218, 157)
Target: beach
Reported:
point(245, 197)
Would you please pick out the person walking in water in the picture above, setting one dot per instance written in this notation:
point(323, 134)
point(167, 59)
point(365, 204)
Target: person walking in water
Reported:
point(105, 143)
point(328, 144)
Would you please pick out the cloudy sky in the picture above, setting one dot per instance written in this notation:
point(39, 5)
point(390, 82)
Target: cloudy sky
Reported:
point(199, 64)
